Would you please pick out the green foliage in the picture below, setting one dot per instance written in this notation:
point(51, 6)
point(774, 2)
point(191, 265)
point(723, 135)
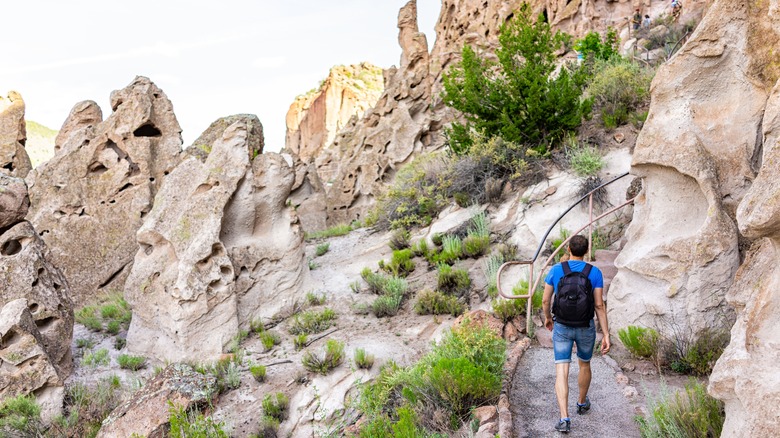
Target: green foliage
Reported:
point(192, 424)
point(392, 290)
point(269, 339)
point(480, 225)
point(313, 265)
point(312, 321)
point(640, 341)
point(386, 305)
point(617, 88)
point(406, 426)
point(437, 303)
point(300, 341)
point(113, 327)
point(557, 242)
point(257, 326)
point(417, 195)
point(268, 428)
point(420, 249)
point(276, 405)
point(475, 246)
point(313, 299)
point(258, 372)
point(437, 239)
point(516, 97)
point(363, 359)
point(453, 281)
point(112, 311)
point(507, 310)
point(490, 268)
point(322, 248)
point(129, 362)
point(399, 240)
point(332, 357)
point(585, 161)
point(93, 359)
point(338, 230)
point(592, 46)
point(85, 343)
point(689, 414)
point(22, 414)
point(698, 356)
point(235, 343)
point(400, 264)
point(86, 407)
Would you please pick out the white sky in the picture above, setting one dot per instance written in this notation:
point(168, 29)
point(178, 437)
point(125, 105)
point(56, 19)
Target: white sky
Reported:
point(211, 58)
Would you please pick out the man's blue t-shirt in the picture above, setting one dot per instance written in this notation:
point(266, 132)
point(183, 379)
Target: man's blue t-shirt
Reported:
point(556, 273)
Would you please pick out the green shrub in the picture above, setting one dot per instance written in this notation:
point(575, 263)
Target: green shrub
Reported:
point(95, 358)
point(119, 343)
point(85, 343)
point(322, 248)
point(276, 405)
point(437, 239)
point(235, 343)
point(453, 281)
point(698, 356)
point(192, 424)
point(338, 230)
point(585, 161)
point(399, 240)
point(258, 372)
point(420, 249)
point(363, 359)
point(269, 339)
point(406, 426)
point(130, 362)
point(313, 299)
point(507, 310)
point(386, 305)
point(268, 428)
point(475, 246)
point(113, 327)
point(300, 341)
point(332, 357)
point(86, 407)
point(592, 47)
point(452, 245)
point(692, 413)
point(640, 341)
point(480, 225)
point(400, 264)
point(490, 268)
point(313, 265)
point(310, 322)
point(257, 326)
point(437, 303)
point(460, 384)
point(87, 317)
point(619, 87)
point(21, 414)
point(516, 97)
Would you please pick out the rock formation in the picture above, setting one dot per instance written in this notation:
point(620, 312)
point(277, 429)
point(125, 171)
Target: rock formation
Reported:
point(315, 117)
point(147, 412)
point(219, 249)
point(307, 195)
point(13, 135)
point(89, 200)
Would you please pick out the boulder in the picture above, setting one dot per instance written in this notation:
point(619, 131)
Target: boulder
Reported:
point(220, 248)
point(308, 195)
point(147, 412)
point(89, 200)
point(13, 135)
point(27, 273)
point(698, 154)
point(14, 201)
point(25, 365)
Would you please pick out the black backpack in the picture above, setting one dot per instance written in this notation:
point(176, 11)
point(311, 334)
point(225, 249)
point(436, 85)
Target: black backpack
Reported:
point(573, 304)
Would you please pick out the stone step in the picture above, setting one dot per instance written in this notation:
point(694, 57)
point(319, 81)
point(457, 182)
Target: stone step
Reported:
point(605, 256)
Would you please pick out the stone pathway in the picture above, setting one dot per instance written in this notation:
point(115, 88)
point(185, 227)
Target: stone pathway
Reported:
point(535, 411)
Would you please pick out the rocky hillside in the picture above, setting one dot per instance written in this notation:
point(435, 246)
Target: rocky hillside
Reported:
point(314, 118)
point(40, 142)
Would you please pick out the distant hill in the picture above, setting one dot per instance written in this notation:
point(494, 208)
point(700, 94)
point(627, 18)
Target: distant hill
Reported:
point(40, 142)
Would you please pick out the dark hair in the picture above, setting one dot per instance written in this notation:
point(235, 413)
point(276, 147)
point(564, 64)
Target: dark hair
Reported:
point(578, 245)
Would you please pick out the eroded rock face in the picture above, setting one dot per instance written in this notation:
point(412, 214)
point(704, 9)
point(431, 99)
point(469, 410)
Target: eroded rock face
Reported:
point(13, 135)
point(219, 249)
point(745, 376)
point(315, 118)
point(698, 153)
point(25, 365)
point(147, 412)
point(308, 194)
point(89, 200)
point(14, 201)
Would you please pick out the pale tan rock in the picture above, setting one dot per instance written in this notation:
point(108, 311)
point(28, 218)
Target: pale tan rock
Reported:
point(27, 273)
point(89, 200)
point(619, 137)
point(14, 160)
point(14, 201)
point(146, 413)
point(315, 118)
point(481, 318)
point(220, 248)
point(25, 366)
point(486, 414)
point(308, 195)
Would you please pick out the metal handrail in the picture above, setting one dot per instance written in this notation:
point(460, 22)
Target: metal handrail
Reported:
point(534, 283)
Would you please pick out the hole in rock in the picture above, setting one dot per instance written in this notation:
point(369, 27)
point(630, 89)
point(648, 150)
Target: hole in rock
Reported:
point(203, 188)
point(97, 168)
point(45, 323)
point(23, 142)
point(151, 179)
point(12, 247)
point(148, 249)
point(147, 130)
point(226, 270)
point(9, 339)
point(111, 278)
point(57, 286)
point(33, 307)
point(34, 283)
point(9, 167)
point(124, 187)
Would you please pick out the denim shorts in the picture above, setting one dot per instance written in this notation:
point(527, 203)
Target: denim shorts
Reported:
point(564, 337)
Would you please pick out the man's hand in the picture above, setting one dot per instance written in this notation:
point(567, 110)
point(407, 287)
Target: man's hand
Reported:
point(548, 322)
point(605, 344)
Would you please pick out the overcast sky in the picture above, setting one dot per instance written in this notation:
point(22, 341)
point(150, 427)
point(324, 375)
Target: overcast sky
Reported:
point(211, 58)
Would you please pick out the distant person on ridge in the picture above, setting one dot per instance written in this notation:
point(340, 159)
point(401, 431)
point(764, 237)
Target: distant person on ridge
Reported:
point(637, 19)
point(575, 291)
point(646, 22)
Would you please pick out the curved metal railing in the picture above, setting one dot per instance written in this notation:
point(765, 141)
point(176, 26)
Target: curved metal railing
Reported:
point(533, 283)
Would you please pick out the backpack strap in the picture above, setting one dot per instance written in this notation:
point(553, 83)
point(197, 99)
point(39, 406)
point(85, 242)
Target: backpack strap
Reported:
point(566, 269)
point(586, 270)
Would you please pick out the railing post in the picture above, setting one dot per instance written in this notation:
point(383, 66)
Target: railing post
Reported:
point(530, 303)
point(590, 228)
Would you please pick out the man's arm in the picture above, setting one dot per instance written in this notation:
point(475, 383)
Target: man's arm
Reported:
point(601, 312)
point(546, 300)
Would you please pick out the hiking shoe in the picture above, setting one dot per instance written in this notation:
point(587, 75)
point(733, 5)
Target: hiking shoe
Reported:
point(583, 408)
point(563, 426)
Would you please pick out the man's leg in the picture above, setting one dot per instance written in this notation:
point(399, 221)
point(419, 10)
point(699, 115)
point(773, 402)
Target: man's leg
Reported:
point(583, 380)
point(562, 387)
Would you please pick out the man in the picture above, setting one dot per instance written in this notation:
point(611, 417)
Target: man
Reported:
point(637, 19)
point(580, 329)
